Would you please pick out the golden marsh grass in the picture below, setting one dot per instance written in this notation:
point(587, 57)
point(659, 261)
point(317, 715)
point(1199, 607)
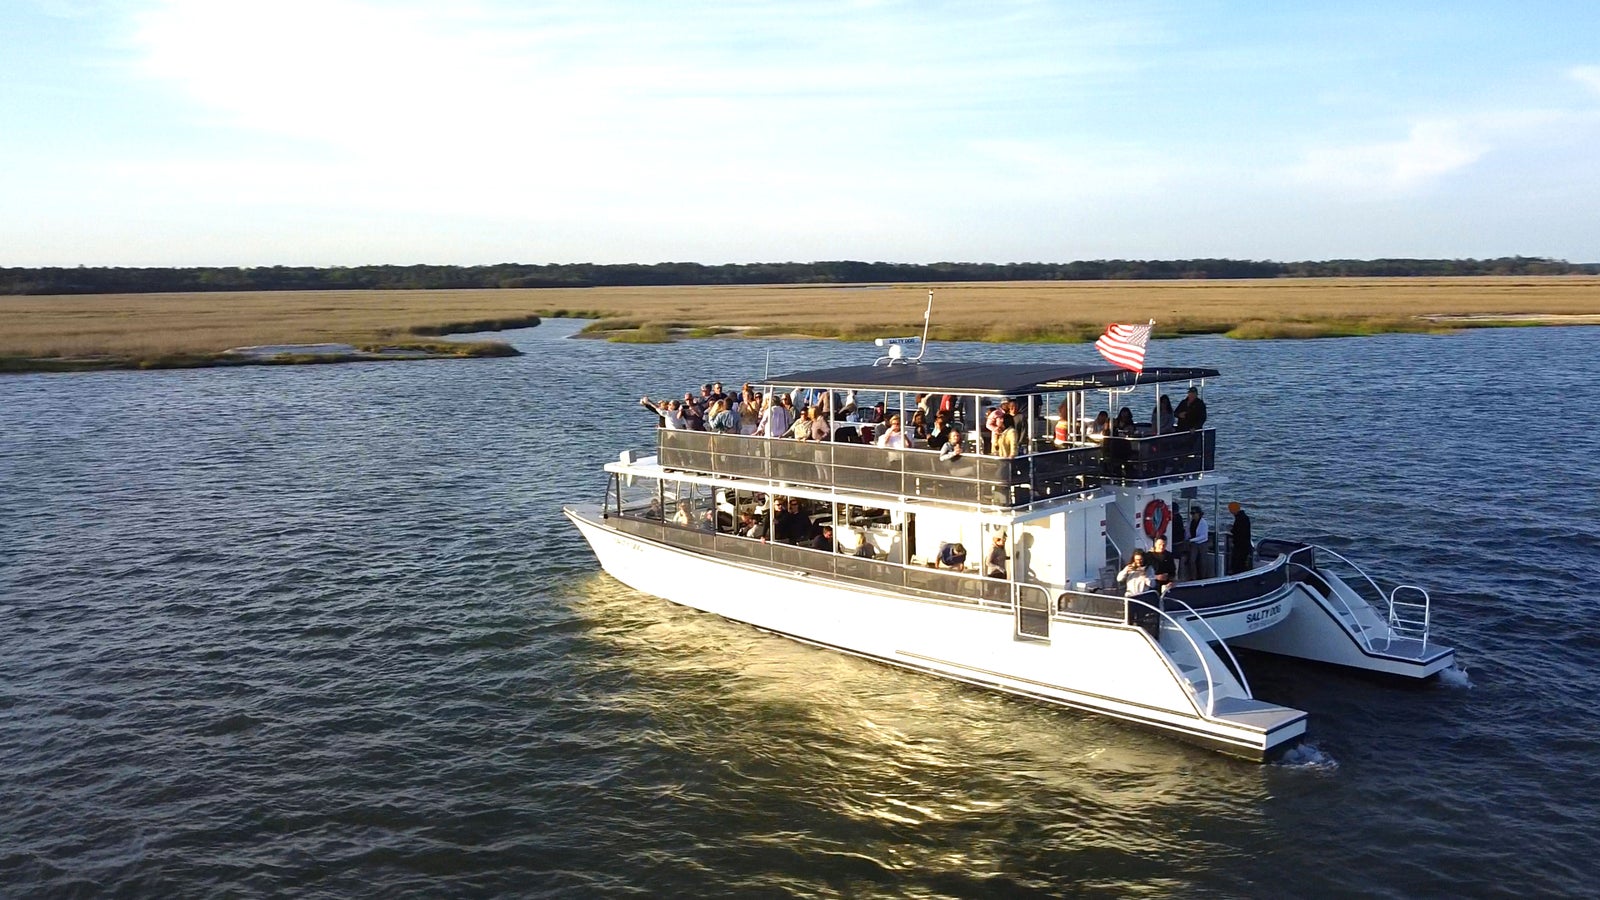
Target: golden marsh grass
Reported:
point(152, 325)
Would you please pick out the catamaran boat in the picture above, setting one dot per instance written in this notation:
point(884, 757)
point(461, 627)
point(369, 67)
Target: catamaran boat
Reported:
point(1051, 622)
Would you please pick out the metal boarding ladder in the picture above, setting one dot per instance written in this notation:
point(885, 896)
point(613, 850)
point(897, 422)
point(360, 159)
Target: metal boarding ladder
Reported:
point(1406, 618)
point(1411, 618)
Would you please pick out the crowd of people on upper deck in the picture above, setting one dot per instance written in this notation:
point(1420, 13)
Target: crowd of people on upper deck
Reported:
point(935, 422)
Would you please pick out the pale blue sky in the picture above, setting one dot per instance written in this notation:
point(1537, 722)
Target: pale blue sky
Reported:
point(344, 132)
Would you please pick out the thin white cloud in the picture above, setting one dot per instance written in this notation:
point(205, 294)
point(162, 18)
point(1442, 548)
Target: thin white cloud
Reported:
point(1429, 152)
point(1588, 76)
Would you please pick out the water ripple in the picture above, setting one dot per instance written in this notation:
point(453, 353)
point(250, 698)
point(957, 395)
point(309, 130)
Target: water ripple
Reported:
point(323, 632)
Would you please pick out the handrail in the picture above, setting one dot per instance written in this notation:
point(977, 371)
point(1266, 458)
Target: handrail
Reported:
point(1427, 611)
point(970, 577)
point(1361, 633)
point(1121, 553)
point(1237, 669)
point(1211, 681)
point(1388, 598)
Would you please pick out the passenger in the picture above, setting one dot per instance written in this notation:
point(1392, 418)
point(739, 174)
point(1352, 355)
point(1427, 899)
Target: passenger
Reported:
point(751, 527)
point(893, 438)
point(1162, 564)
point(775, 418)
point(794, 527)
point(1198, 542)
point(824, 540)
point(1123, 426)
point(693, 416)
point(996, 566)
point(722, 420)
point(820, 429)
point(1063, 436)
point(939, 434)
point(684, 516)
point(1192, 411)
point(1136, 575)
point(1004, 438)
point(952, 446)
point(918, 433)
point(670, 417)
point(864, 549)
point(993, 422)
point(801, 429)
point(847, 412)
point(1162, 417)
point(953, 556)
point(749, 413)
point(716, 391)
point(1241, 551)
point(1101, 426)
point(1019, 421)
point(653, 511)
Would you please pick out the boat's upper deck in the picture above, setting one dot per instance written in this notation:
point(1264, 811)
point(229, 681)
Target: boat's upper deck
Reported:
point(1057, 450)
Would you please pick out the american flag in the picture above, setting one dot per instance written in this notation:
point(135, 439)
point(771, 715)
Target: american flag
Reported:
point(1123, 345)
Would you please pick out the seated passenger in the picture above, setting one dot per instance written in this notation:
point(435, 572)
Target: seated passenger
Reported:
point(893, 438)
point(919, 427)
point(952, 446)
point(1101, 425)
point(684, 516)
point(793, 527)
point(751, 527)
point(1123, 426)
point(1137, 575)
point(939, 434)
point(952, 556)
point(824, 540)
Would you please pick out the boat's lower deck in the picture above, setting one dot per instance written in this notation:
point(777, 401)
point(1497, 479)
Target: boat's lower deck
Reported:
point(1143, 669)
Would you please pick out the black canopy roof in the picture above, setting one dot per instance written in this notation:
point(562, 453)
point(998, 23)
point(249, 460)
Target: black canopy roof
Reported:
point(984, 378)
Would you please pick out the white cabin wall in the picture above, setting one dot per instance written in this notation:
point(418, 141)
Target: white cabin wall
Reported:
point(936, 526)
point(1086, 551)
point(1039, 555)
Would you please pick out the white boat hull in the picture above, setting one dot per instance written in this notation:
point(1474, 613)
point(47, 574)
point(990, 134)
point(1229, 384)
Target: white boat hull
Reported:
point(1107, 667)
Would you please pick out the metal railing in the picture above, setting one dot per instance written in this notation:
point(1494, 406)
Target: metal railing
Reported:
point(938, 584)
point(1238, 670)
point(1211, 681)
point(1408, 628)
point(968, 479)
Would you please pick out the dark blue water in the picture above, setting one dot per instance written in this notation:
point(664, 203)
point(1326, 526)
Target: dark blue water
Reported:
point(321, 631)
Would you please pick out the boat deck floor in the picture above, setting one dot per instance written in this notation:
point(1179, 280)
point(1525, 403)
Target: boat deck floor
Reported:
point(1256, 713)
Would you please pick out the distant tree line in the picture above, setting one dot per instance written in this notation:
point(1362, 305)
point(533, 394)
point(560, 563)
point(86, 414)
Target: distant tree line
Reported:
point(117, 280)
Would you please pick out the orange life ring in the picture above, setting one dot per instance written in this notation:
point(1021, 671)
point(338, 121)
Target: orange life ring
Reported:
point(1157, 515)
